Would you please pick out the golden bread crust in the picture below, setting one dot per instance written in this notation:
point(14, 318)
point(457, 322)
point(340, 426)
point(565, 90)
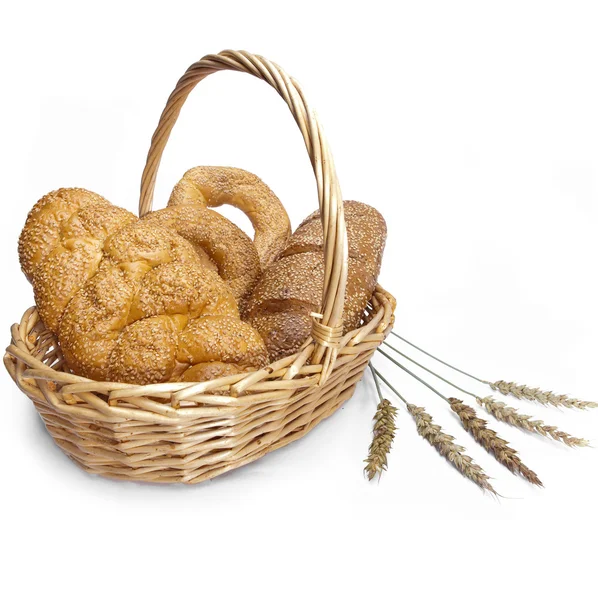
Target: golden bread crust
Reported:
point(75, 256)
point(215, 186)
point(226, 246)
point(130, 299)
point(42, 229)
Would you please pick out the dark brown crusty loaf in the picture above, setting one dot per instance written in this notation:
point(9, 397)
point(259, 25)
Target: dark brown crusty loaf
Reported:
point(289, 290)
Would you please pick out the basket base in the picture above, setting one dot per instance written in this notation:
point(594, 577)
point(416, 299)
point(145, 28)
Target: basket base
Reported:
point(173, 434)
point(95, 459)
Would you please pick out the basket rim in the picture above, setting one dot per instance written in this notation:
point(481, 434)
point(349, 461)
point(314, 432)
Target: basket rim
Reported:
point(32, 346)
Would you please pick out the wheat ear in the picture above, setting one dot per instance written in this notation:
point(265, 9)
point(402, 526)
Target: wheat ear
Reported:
point(477, 427)
point(508, 388)
point(443, 442)
point(524, 392)
point(383, 433)
point(491, 442)
point(383, 436)
point(507, 414)
point(445, 445)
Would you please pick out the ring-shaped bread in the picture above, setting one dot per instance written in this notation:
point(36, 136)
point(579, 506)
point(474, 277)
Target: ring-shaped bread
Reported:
point(215, 186)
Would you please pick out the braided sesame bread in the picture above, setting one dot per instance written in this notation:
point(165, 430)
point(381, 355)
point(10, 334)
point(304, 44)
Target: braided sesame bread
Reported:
point(230, 250)
point(289, 290)
point(130, 300)
point(60, 247)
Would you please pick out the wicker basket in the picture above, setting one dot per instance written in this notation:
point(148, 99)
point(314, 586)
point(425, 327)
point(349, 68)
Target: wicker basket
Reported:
point(188, 432)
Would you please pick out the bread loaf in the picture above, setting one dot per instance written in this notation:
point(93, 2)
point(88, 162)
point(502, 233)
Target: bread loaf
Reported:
point(289, 290)
point(130, 300)
point(239, 261)
point(230, 250)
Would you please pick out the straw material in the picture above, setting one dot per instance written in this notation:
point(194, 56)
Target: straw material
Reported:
point(189, 432)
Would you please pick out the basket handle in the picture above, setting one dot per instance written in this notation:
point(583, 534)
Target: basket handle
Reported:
point(327, 327)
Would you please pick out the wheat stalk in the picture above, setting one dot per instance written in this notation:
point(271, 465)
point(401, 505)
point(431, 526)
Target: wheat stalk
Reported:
point(491, 442)
point(509, 388)
point(445, 445)
point(384, 433)
point(486, 437)
point(443, 442)
point(507, 414)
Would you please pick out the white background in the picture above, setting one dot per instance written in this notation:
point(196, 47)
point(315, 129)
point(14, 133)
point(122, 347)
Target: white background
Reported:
point(473, 126)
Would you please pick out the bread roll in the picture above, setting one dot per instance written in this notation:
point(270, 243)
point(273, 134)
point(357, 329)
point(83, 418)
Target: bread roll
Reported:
point(130, 300)
point(229, 249)
point(281, 303)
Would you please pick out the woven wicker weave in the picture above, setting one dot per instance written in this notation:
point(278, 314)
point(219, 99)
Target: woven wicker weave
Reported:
point(189, 432)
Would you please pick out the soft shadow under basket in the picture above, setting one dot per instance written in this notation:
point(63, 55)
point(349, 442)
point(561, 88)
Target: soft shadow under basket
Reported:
point(189, 432)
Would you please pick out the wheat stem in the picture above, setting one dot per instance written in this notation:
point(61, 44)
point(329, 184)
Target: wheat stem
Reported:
point(439, 360)
point(388, 384)
point(507, 388)
point(375, 377)
point(398, 364)
point(507, 414)
point(429, 370)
